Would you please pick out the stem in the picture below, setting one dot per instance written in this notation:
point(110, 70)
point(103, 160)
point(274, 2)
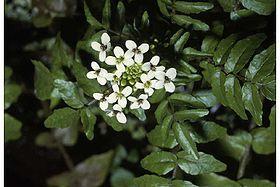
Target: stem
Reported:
point(244, 161)
point(67, 159)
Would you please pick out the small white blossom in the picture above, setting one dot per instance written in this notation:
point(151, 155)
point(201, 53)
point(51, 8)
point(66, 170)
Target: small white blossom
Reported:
point(135, 51)
point(165, 80)
point(120, 60)
point(152, 65)
point(103, 103)
point(114, 77)
point(147, 83)
point(140, 102)
point(118, 112)
point(120, 95)
point(98, 73)
point(102, 47)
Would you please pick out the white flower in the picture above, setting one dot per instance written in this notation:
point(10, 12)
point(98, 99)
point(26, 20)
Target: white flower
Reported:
point(98, 73)
point(165, 80)
point(119, 96)
point(118, 112)
point(152, 65)
point(114, 77)
point(135, 51)
point(103, 103)
point(141, 102)
point(103, 47)
point(147, 83)
point(120, 60)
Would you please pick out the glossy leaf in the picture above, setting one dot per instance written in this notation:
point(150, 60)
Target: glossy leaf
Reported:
point(106, 14)
point(186, 99)
point(88, 120)
point(12, 128)
point(186, 22)
point(151, 180)
point(90, 18)
point(192, 114)
point(161, 111)
point(192, 7)
point(218, 80)
point(190, 53)
point(11, 93)
point(209, 44)
point(256, 183)
point(180, 43)
point(268, 87)
point(227, 5)
point(206, 97)
point(259, 6)
point(214, 180)
point(139, 113)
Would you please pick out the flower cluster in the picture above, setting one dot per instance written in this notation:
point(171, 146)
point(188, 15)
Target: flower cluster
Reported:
point(131, 82)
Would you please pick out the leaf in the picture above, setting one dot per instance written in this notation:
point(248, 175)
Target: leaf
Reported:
point(234, 95)
point(106, 14)
point(43, 81)
point(160, 162)
point(268, 87)
point(67, 136)
point(235, 145)
point(180, 183)
point(214, 180)
point(151, 180)
point(90, 18)
point(262, 64)
point(88, 120)
point(145, 22)
point(11, 93)
point(180, 43)
point(45, 139)
point(204, 164)
point(223, 49)
point(186, 22)
point(190, 53)
point(239, 14)
point(227, 5)
point(184, 139)
point(120, 15)
point(256, 183)
point(70, 93)
point(252, 101)
point(121, 178)
point(163, 8)
point(157, 96)
point(242, 51)
point(186, 68)
point(259, 6)
point(8, 72)
point(192, 114)
point(192, 7)
point(139, 113)
point(206, 97)
point(209, 44)
point(218, 85)
point(176, 36)
point(111, 121)
point(161, 111)
point(186, 99)
point(206, 132)
point(218, 28)
point(62, 118)
point(12, 128)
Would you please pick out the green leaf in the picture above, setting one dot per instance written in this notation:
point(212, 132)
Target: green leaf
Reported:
point(121, 178)
point(67, 136)
point(45, 139)
point(252, 101)
point(186, 99)
point(181, 42)
point(152, 181)
point(214, 180)
point(160, 162)
point(43, 81)
point(259, 6)
point(234, 95)
point(111, 121)
point(176, 36)
point(204, 164)
point(12, 128)
point(62, 118)
point(206, 132)
point(11, 94)
point(139, 113)
point(8, 72)
point(262, 64)
point(223, 49)
point(120, 15)
point(242, 51)
point(88, 86)
point(239, 14)
point(186, 68)
point(183, 137)
point(191, 53)
point(206, 97)
point(228, 5)
point(88, 120)
point(192, 7)
point(158, 96)
point(161, 111)
point(235, 146)
point(180, 183)
point(70, 93)
point(268, 87)
point(145, 22)
point(192, 114)
point(163, 8)
point(218, 85)
point(218, 28)
point(186, 22)
point(90, 18)
point(209, 44)
point(256, 183)
point(106, 14)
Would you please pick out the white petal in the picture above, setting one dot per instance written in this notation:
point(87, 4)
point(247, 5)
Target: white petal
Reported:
point(95, 46)
point(128, 54)
point(110, 60)
point(146, 66)
point(153, 83)
point(169, 87)
point(103, 72)
point(171, 73)
point(160, 75)
point(122, 102)
point(155, 60)
point(109, 76)
point(132, 99)
point(95, 66)
point(118, 52)
point(138, 57)
point(91, 75)
point(151, 75)
point(130, 44)
point(143, 96)
point(128, 62)
point(111, 114)
point(102, 56)
point(117, 107)
point(121, 117)
point(159, 85)
point(97, 96)
point(160, 68)
point(101, 80)
point(149, 91)
point(120, 67)
point(127, 91)
point(144, 78)
point(105, 38)
point(118, 73)
point(116, 88)
point(112, 98)
point(134, 105)
point(103, 105)
point(139, 85)
point(145, 105)
point(144, 48)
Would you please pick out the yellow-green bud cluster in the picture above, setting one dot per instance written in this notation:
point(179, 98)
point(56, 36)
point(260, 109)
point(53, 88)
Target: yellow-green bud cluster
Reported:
point(131, 75)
